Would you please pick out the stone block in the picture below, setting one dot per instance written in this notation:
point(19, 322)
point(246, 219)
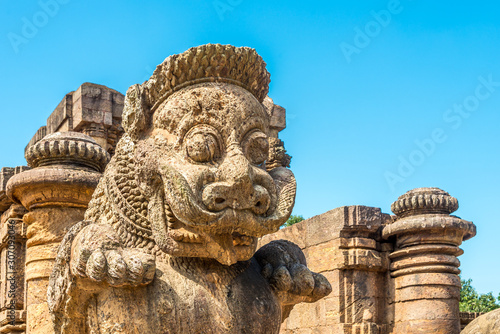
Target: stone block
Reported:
point(329, 256)
point(341, 221)
point(432, 292)
point(92, 109)
point(5, 174)
point(118, 100)
point(325, 256)
point(92, 104)
point(277, 115)
point(60, 115)
point(40, 133)
point(295, 233)
point(425, 279)
point(426, 309)
point(441, 326)
point(278, 118)
point(361, 222)
point(12, 262)
point(322, 330)
point(307, 316)
point(20, 317)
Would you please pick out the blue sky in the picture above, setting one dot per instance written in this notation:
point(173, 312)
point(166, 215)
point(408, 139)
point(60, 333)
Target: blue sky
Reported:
point(381, 96)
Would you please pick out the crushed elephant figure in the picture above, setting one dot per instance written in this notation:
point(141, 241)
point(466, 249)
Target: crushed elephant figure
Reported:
point(168, 244)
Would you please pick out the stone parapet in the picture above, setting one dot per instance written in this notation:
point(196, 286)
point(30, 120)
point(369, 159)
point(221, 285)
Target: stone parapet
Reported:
point(479, 323)
point(467, 317)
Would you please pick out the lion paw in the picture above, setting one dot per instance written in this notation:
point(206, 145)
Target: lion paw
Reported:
point(284, 266)
point(97, 254)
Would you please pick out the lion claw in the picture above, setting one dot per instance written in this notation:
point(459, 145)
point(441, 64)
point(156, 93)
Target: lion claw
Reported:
point(284, 266)
point(97, 255)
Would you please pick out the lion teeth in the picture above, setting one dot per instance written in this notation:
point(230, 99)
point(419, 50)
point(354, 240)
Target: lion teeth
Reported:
point(185, 236)
point(241, 240)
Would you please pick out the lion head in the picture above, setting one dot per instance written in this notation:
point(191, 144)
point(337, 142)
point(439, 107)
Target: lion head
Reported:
point(197, 134)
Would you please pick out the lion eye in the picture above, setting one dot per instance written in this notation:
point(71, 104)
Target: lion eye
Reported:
point(256, 147)
point(202, 147)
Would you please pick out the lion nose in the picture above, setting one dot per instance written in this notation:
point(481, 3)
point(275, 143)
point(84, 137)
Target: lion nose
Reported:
point(221, 195)
point(236, 188)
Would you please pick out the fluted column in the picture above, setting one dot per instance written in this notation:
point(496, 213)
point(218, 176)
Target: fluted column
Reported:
point(424, 264)
point(66, 169)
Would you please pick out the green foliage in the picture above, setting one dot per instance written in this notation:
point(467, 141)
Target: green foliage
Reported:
point(293, 220)
point(471, 301)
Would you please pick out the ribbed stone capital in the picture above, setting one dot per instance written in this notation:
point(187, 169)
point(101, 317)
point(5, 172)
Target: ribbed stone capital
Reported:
point(424, 201)
point(68, 148)
point(66, 169)
point(423, 217)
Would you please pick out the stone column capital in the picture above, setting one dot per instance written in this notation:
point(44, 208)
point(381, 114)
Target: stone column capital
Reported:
point(423, 216)
point(66, 167)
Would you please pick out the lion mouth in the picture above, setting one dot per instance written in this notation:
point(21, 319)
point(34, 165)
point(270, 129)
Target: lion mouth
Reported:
point(186, 236)
point(227, 247)
point(193, 238)
point(180, 197)
point(182, 226)
point(241, 240)
point(178, 232)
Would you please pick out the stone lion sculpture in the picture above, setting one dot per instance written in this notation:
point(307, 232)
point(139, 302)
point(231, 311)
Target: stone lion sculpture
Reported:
point(169, 239)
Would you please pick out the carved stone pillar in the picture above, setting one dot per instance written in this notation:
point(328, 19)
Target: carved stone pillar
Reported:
point(66, 169)
point(12, 258)
point(424, 264)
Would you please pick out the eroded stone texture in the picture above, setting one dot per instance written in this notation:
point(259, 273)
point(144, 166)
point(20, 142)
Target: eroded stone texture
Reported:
point(168, 244)
point(169, 238)
point(424, 263)
point(389, 274)
point(12, 258)
point(65, 170)
point(5, 174)
point(277, 114)
point(345, 246)
point(92, 109)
